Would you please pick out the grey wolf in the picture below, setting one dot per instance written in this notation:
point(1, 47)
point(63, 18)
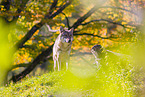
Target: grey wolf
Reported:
point(97, 51)
point(62, 48)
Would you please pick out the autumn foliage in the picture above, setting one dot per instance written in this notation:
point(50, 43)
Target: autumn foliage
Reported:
point(117, 25)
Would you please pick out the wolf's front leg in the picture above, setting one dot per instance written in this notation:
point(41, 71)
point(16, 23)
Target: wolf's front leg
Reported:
point(54, 65)
point(59, 60)
point(59, 64)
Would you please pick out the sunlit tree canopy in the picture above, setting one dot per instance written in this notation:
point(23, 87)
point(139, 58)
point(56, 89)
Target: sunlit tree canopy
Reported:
point(29, 29)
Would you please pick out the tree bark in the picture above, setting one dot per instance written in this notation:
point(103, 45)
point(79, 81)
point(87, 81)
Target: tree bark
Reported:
point(36, 61)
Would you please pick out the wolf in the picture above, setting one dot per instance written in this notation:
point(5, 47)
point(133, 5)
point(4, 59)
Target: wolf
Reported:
point(62, 48)
point(97, 51)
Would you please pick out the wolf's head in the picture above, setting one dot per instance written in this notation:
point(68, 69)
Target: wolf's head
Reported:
point(97, 50)
point(66, 35)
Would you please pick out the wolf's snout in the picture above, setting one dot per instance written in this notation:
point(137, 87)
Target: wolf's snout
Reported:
point(68, 40)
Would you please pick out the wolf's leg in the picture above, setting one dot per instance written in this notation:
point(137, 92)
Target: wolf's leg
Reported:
point(59, 64)
point(66, 65)
point(58, 60)
point(60, 67)
point(54, 65)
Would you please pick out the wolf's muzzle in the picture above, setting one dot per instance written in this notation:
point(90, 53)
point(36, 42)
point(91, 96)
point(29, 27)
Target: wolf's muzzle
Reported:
point(68, 40)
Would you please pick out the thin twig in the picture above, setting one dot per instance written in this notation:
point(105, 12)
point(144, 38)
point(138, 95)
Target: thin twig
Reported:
point(120, 9)
point(110, 21)
point(97, 36)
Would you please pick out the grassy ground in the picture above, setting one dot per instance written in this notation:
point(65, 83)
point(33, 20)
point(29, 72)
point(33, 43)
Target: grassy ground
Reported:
point(69, 84)
point(115, 77)
point(44, 85)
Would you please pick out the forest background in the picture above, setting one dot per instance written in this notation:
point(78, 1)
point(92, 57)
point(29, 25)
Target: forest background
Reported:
point(26, 47)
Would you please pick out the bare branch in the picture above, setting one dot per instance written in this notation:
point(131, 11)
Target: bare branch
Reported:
point(97, 36)
point(49, 29)
point(110, 21)
point(120, 9)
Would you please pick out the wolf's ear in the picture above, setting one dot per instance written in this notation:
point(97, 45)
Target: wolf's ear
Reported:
point(71, 30)
point(61, 29)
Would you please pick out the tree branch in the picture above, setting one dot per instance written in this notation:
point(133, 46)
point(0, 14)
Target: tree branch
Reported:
point(110, 21)
point(67, 20)
point(102, 20)
point(53, 6)
point(20, 43)
point(120, 9)
point(90, 12)
point(15, 16)
point(36, 61)
point(27, 64)
point(97, 36)
point(59, 10)
point(45, 53)
point(84, 17)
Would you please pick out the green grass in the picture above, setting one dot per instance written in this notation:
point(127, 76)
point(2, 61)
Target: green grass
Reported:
point(115, 77)
point(68, 84)
point(44, 85)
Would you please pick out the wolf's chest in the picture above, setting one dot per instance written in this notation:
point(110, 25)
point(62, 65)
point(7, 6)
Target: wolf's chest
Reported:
point(64, 47)
point(63, 55)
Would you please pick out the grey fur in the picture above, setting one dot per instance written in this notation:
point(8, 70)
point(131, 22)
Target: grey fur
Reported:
point(62, 48)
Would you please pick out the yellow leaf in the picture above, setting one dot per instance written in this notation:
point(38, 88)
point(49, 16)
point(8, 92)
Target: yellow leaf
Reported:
point(115, 15)
point(123, 23)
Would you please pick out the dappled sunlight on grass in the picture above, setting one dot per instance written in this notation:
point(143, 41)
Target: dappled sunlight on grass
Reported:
point(110, 79)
